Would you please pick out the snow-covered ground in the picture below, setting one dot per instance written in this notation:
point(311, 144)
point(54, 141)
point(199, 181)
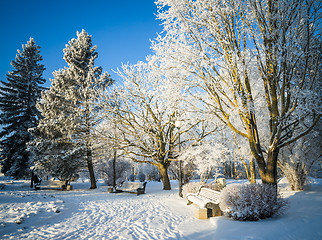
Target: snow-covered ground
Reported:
point(158, 214)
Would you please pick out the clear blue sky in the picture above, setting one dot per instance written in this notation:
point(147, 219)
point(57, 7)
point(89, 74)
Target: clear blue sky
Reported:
point(121, 29)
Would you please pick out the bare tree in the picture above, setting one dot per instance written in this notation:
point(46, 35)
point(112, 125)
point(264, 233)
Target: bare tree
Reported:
point(146, 117)
point(253, 62)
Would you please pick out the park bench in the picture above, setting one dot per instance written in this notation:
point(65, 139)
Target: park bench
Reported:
point(207, 201)
point(4, 183)
point(52, 185)
point(132, 187)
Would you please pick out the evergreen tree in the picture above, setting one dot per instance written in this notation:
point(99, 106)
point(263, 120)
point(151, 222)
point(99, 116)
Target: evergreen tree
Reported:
point(69, 107)
point(18, 97)
point(59, 157)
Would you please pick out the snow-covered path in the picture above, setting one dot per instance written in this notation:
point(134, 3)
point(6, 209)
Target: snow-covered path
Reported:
point(114, 219)
point(96, 214)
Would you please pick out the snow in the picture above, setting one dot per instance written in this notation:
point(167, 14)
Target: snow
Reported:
point(158, 214)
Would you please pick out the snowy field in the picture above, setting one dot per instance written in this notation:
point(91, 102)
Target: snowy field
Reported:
point(96, 214)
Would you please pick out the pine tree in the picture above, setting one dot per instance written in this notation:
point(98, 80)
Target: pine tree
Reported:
point(58, 157)
point(18, 97)
point(68, 107)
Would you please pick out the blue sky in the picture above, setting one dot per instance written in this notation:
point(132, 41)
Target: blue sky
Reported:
point(121, 29)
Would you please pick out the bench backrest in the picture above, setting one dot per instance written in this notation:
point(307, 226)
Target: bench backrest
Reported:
point(209, 193)
point(132, 185)
point(52, 182)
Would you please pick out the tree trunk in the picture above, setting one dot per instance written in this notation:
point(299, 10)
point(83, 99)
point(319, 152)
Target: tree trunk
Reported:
point(252, 179)
point(164, 176)
point(235, 167)
point(268, 169)
point(32, 180)
point(250, 171)
point(269, 172)
point(180, 178)
point(114, 169)
point(90, 168)
point(232, 169)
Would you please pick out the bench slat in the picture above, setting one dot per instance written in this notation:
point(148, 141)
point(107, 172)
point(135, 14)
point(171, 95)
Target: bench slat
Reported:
point(209, 194)
point(51, 184)
point(132, 187)
point(204, 196)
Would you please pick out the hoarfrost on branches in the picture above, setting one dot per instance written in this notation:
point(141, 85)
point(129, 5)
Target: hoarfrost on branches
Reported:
point(252, 63)
point(251, 202)
point(70, 106)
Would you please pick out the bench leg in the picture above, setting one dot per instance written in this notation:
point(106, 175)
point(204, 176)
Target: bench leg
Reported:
point(214, 210)
point(201, 213)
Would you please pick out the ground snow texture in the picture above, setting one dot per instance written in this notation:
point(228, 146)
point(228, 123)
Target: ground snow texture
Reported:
point(158, 214)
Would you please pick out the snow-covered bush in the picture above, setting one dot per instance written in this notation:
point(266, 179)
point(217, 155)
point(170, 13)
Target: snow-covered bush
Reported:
point(121, 169)
point(206, 157)
point(152, 173)
point(214, 186)
point(188, 170)
point(250, 202)
point(299, 159)
point(141, 177)
point(132, 177)
point(193, 187)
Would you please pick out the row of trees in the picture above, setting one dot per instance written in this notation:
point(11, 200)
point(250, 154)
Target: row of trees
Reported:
point(229, 80)
point(243, 76)
point(54, 133)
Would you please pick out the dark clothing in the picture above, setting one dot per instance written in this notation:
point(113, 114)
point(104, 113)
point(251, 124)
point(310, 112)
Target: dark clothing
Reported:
point(35, 179)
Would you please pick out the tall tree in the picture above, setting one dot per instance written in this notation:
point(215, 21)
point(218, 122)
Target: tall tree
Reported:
point(147, 117)
point(18, 97)
point(253, 62)
point(69, 107)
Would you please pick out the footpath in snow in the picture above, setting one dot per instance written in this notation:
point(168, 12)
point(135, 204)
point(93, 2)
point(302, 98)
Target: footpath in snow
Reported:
point(158, 214)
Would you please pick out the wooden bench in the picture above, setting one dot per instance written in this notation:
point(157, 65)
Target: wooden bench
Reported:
point(208, 202)
point(52, 185)
point(4, 183)
point(132, 187)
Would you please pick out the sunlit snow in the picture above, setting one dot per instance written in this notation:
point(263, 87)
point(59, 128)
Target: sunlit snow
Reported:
point(158, 214)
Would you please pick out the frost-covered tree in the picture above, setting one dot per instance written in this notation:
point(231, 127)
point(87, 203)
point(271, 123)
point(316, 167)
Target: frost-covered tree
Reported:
point(59, 158)
point(150, 107)
point(108, 152)
point(69, 106)
point(208, 158)
point(297, 159)
point(250, 61)
point(18, 97)
point(114, 172)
